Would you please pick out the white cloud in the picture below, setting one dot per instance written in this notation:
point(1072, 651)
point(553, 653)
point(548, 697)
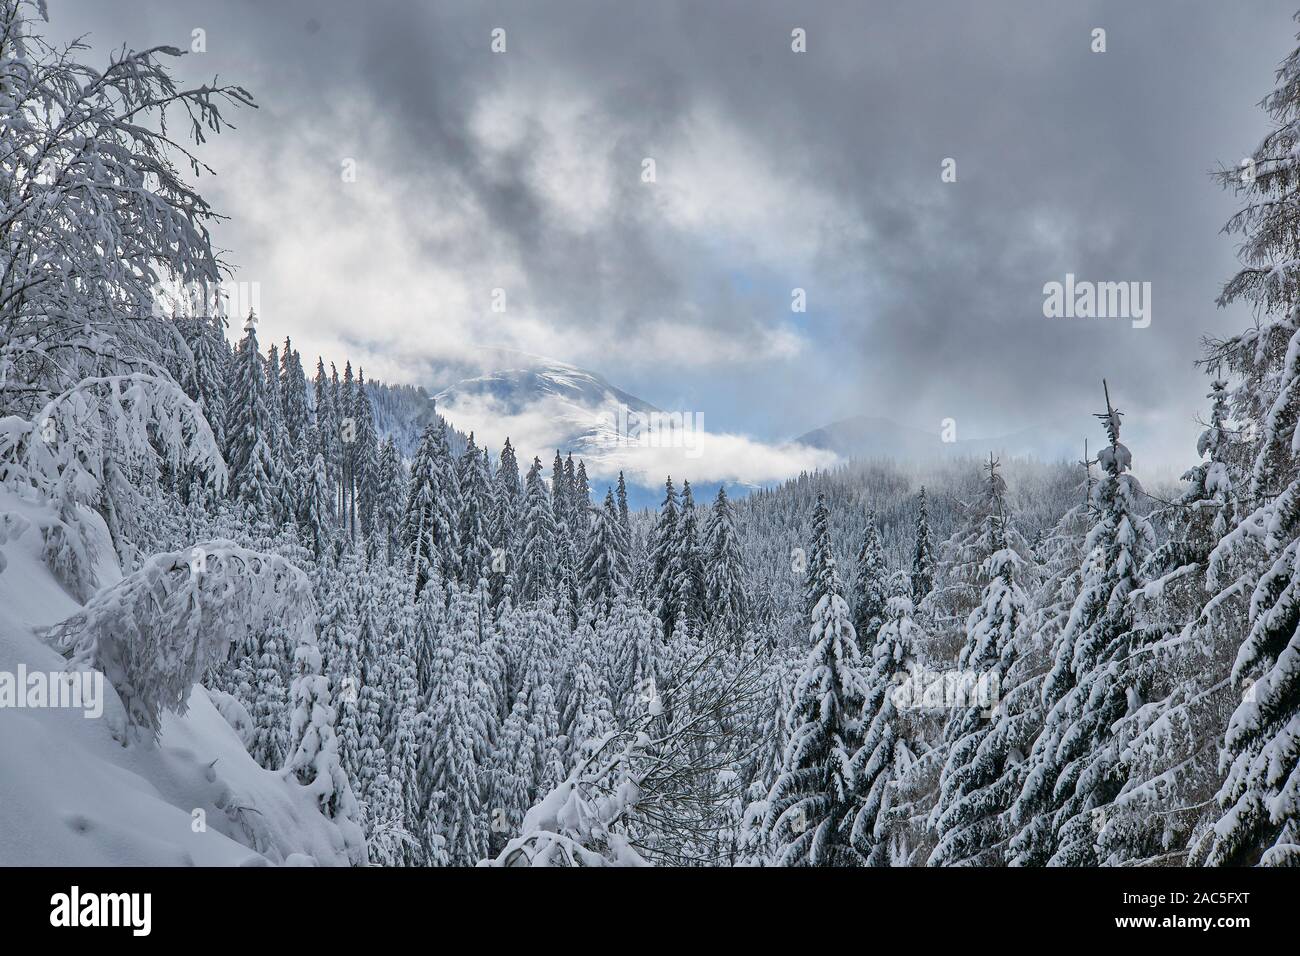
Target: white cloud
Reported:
point(397, 270)
point(542, 427)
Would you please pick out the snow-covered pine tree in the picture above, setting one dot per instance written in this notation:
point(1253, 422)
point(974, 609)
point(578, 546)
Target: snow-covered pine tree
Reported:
point(726, 604)
point(973, 786)
point(503, 524)
point(316, 507)
point(537, 560)
point(869, 586)
point(327, 431)
point(883, 754)
point(389, 489)
point(603, 574)
point(623, 517)
point(345, 395)
point(570, 491)
point(512, 775)
point(365, 457)
point(205, 381)
point(1260, 813)
point(820, 555)
point(475, 512)
point(581, 504)
point(588, 714)
point(1170, 746)
point(630, 637)
point(565, 578)
point(340, 646)
point(314, 750)
point(664, 568)
point(270, 709)
point(429, 521)
point(454, 819)
point(253, 471)
point(404, 746)
point(961, 570)
point(287, 495)
point(810, 809)
point(275, 405)
point(922, 554)
point(1060, 555)
point(372, 701)
point(688, 589)
point(293, 391)
point(1073, 772)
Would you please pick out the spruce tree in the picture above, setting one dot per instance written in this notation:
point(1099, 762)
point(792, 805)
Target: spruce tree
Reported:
point(725, 601)
point(974, 788)
point(810, 809)
point(588, 714)
point(327, 430)
point(429, 522)
point(537, 570)
point(688, 589)
point(270, 712)
point(454, 820)
point(250, 458)
point(293, 390)
point(878, 763)
point(623, 517)
point(665, 555)
point(1260, 814)
point(869, 586)
point(365, 457)
point(475, 491)
point(389, 492)
point(923, 555)
point(581, 491)
point(405, 746)
point(604, 571)
point(346, 399)
point(313, 750)
point(1074, 768)
point(315, 507)
point(513, 769)
point(205, 379)
point(820, 555)
point(961, 572)
point(1170, 746)
point(340, 646)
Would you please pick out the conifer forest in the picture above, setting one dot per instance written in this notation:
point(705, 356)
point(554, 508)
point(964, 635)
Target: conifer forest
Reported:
point(958, 524)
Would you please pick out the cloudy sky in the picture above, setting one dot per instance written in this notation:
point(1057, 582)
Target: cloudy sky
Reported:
point(775, 170)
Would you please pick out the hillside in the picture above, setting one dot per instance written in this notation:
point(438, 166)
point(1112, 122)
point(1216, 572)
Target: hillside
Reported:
point(71, 794)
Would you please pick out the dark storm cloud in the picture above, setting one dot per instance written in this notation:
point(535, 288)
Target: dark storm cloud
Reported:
point(925, 297)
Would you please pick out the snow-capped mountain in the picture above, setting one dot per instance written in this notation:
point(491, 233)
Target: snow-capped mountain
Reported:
point(542, 405)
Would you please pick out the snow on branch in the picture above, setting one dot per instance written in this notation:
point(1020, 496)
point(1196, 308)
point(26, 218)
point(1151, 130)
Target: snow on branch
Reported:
point(156, 632)
point(139, 421)
point(96, 210)
point(646, 777)
point(93, 446)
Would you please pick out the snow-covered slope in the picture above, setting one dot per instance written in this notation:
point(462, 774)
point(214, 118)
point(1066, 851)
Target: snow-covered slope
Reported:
point(72, 794)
